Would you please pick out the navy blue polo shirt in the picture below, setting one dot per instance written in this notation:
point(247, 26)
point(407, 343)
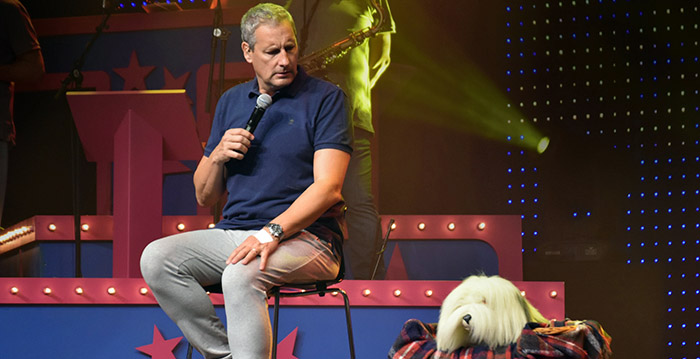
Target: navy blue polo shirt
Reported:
point(308, 115)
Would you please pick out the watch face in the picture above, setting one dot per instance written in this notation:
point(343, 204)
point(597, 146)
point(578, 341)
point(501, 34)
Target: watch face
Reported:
point(275, 229)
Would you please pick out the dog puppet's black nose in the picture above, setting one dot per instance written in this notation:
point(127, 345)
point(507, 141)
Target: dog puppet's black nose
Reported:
point(467, 318)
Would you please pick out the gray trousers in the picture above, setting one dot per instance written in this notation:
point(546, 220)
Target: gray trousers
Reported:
point(176, 268)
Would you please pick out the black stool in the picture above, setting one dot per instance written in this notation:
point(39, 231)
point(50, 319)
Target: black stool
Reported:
point(298, 290)
point(304, 289)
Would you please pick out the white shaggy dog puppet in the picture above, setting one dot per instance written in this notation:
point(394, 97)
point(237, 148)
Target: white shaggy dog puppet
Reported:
point(483, 311)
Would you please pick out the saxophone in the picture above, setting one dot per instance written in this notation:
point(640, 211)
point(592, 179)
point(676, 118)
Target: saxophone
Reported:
point(318, 60)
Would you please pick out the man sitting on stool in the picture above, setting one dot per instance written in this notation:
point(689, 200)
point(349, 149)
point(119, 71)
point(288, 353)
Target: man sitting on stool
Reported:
point(280, 221)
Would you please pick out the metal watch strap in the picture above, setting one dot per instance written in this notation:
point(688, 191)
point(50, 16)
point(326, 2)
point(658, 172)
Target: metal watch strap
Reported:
point(275, 230)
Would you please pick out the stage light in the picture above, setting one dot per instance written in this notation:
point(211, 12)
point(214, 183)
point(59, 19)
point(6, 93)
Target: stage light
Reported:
point(47, 291)
point(79, 290)
point(180, 227)
point(14, 290)
point(397, 293)
point(143, 290)
point(52, 227)
point(429, 293)
point(421, 226)
point(111, 291)
point(366, 293)
point(553, 294)
point(481, 226)
point(451, 226)
point(85, 227)
point(211, 225)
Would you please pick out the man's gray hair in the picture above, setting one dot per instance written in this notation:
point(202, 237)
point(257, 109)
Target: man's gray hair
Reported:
point(265, 13)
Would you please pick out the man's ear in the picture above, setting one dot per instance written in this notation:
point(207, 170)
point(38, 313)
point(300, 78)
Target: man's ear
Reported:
point(247, 52)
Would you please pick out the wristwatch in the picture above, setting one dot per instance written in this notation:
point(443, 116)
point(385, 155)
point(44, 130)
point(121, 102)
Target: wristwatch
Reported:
point(275, 230)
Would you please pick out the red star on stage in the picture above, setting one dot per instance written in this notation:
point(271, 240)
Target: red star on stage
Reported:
point(172, 83)
point(160, 348)
point(135, 75)
point(285, 349)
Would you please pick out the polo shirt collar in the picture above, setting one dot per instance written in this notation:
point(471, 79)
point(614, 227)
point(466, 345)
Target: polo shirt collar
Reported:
point(289, 91)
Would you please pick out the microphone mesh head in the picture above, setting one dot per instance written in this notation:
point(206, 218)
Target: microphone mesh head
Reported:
point(263, 101)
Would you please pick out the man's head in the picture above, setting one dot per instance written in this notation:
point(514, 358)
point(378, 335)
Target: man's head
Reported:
point(269, 43)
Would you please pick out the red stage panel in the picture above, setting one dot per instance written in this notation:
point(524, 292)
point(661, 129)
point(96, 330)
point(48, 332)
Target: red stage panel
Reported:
point(362, 293)
point(502, 232)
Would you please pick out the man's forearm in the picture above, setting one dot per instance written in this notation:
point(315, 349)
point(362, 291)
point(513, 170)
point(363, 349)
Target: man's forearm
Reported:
point(313, 203)
point(208, 182)
point(329, 173)
point(380, 56)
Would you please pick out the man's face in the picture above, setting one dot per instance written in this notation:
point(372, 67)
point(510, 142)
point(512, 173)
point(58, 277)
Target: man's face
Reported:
point(274, 58)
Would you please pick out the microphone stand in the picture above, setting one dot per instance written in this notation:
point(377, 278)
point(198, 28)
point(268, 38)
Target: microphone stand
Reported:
point(75, 77)
point(218, 33)
point(381, 251)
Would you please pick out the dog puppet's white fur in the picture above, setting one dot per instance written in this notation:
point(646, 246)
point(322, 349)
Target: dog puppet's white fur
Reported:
point(498, 314)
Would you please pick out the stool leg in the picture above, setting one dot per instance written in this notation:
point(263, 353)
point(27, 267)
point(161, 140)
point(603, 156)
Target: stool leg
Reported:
point(349, 324)
point(275, 325)
point(189, 351)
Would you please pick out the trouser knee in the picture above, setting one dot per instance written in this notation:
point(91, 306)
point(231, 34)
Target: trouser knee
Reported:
point(152, 262)
point(242, 281)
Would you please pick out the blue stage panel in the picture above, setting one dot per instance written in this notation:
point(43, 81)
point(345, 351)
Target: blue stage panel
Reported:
point(110, 332)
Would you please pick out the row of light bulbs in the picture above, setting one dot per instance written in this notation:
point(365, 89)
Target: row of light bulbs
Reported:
point(78, 290)
point(86, 227)
point(182, 227)
point(450, 226)
point(144, 291)
point(429, 293)
point(15, 233)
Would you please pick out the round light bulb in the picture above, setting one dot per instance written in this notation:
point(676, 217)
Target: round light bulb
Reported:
point(429, 293)
point(85, 227)
point(14, 290)
point(421, 226)
point(52, 227)
point(366, 292)
point(79, 290)
point(397, 293)
point(180, 227)
point(111, 291)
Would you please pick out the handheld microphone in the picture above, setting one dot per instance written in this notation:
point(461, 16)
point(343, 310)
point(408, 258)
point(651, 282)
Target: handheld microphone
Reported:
point(263, 101)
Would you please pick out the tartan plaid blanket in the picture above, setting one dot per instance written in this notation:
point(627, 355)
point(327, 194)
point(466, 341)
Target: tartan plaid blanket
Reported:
point(568, 339)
